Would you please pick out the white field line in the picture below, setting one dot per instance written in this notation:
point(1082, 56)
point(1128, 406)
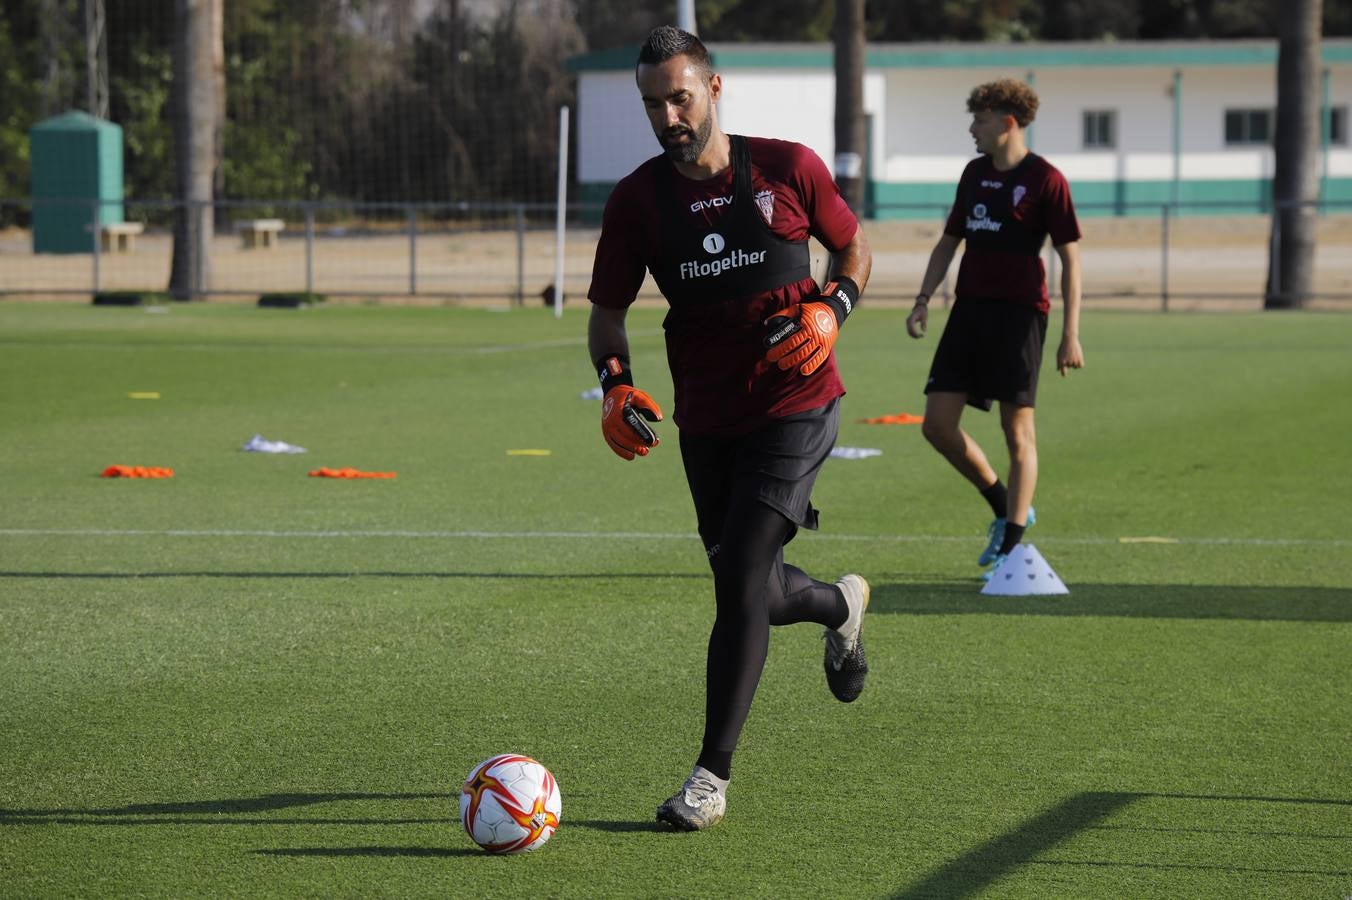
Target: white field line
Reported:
point(621, 535)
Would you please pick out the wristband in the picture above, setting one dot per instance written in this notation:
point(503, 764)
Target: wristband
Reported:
point(842, 294)
point(922, 299)
point(613, 370)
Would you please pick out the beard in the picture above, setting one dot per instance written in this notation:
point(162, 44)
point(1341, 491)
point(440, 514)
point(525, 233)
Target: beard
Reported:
point(689, 151)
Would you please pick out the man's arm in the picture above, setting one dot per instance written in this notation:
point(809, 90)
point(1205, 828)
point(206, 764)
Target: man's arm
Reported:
point(623, 407)
point(606, 335)
point(802, 336)
point(854, 261)
point(940, 259)
point(1069, 355)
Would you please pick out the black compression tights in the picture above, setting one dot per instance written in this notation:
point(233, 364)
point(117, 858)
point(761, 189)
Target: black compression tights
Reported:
point(754, 589)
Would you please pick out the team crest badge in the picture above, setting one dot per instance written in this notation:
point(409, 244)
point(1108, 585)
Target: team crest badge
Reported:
point(765, 202)
point(1019, 191)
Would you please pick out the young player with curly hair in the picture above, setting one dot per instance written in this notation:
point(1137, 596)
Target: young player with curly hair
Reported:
point(1009, 200)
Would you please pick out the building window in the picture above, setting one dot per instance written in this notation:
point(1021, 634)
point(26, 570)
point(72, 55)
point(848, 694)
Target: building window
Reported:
point(1248, 126)
point(1100, 129)
point(1337, 125)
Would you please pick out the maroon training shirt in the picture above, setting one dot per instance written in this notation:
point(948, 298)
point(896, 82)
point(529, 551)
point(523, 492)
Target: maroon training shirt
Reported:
point(714, 344)
point(1006, 217)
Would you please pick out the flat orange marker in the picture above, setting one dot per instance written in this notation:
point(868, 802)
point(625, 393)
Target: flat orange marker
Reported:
point(529, 452)
point(896, 419)
point(144, 395)
point(350, 473)
point(137, 472)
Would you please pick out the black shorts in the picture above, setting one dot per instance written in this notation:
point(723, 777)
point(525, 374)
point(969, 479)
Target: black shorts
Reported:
point(776, 464)
point(990, 350)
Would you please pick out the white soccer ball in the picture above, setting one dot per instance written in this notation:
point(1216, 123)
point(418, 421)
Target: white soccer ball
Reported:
point(510, 804)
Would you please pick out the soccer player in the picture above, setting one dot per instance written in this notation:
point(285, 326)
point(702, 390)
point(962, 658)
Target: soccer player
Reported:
point(722, 222)
point(1008, 201)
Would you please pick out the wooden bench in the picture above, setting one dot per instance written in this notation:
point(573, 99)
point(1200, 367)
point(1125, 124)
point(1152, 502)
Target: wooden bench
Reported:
point(119, 237)
point(259, 232)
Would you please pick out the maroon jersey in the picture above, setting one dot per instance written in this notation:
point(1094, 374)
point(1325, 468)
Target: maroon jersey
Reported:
point(726, 259)
point(1006, 217)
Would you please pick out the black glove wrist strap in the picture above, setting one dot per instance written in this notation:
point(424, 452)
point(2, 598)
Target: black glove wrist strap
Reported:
point(613, 371)
point(841, 293)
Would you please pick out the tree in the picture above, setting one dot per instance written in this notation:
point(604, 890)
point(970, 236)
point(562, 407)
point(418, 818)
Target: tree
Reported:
point(1295, 181)
point(193, 114)
point(850, 149)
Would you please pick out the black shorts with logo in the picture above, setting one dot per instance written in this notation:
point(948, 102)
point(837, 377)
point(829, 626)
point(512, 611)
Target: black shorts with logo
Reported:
point(777, 464)
point(990, 350)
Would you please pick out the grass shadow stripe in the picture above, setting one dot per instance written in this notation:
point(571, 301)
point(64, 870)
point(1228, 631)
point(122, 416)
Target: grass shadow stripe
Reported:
point(614, 826)
point(435, 852)
point(223, 820)
point(1191, 867)
point(547, 576)
point(1136, 601)
point(981, 867)
point(483, 534)
point(224, 812)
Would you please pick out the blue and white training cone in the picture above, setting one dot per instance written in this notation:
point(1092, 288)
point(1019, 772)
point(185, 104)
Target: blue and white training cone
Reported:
point(1024, 573)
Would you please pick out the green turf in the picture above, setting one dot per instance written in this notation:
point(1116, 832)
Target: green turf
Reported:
point(245, 681)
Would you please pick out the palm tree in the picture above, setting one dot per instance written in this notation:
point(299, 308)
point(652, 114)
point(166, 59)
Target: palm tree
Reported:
point(1295, 182)
point(193, 119)
point(849, 65)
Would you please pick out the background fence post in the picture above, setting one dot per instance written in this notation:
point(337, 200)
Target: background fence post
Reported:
point(1275, 286)
point(1052, 260)
point(309, 249)
point(943, 211)
point(412, 250)
point(562, 214)
point(520, 254)
point(98, 241)
point(1164, 258)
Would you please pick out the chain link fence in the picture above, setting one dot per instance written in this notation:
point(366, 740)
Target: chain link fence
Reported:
point(505, 253)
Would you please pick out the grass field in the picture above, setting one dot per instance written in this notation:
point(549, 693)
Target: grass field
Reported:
point(243, 681)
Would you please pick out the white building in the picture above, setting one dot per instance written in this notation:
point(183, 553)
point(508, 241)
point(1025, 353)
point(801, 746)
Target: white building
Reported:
point(1134, 126)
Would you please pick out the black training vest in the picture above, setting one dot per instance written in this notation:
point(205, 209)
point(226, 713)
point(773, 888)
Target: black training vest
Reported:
point(739, 257)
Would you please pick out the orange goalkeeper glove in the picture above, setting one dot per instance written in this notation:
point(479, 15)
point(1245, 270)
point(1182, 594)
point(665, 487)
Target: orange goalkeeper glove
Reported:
point(803, 334)
point(623, 409)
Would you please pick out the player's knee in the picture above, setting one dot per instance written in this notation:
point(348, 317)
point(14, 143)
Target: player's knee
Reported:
point(1021, 441)
point(939, 433)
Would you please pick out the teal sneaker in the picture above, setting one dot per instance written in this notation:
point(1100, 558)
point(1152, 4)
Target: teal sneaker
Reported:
point(995, 564)
point(995, 536)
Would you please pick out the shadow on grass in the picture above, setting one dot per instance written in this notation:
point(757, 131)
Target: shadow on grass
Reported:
point(614, 826)
point(435, 852)
point(1163, 601)
point(979, 868)
point(933, 598)
point(133, 576)
point(218, 812)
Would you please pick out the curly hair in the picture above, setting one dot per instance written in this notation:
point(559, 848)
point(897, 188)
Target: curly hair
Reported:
point(1005, 96)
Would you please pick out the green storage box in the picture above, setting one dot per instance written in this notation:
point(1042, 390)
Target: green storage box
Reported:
point(76, 157)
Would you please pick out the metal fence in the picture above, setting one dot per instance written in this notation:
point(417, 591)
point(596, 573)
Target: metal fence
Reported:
point(474, 252)
point(1184, 255)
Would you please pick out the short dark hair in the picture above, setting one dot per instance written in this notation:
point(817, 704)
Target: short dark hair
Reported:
point(667, 41)
point(1005, 96)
